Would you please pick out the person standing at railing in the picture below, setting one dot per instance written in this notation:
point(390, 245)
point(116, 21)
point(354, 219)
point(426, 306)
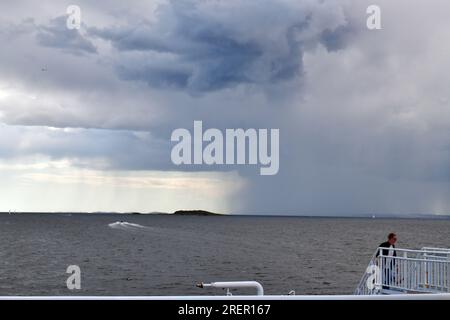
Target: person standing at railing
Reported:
point(388, 263)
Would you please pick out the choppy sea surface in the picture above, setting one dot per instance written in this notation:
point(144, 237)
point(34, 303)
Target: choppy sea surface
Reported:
point(168, 255)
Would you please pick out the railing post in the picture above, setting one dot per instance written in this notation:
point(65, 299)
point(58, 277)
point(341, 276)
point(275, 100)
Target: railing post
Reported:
point(447, 274)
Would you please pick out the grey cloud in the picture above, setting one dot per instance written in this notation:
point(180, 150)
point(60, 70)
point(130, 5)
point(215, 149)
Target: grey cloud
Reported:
point(57, 35)
point(336, 39)
point(156, 76)
point(91, 148)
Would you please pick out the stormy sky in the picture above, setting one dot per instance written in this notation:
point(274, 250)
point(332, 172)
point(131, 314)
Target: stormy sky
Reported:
point(86, 114)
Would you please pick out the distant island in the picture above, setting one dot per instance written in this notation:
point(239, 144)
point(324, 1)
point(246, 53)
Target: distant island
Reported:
point(195, 213)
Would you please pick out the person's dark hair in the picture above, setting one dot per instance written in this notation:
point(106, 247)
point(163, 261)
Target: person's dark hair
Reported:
point(391, 235)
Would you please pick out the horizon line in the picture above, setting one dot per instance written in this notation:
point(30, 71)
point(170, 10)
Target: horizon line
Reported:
point(360, 215)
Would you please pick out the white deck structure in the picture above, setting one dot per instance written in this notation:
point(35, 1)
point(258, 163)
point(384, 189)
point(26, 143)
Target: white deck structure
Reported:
point(409, 272)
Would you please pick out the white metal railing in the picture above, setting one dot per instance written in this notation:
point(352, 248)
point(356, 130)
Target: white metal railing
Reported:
point(410, 271)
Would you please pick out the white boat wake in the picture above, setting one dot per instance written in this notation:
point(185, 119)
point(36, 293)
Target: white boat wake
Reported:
point(122, 225)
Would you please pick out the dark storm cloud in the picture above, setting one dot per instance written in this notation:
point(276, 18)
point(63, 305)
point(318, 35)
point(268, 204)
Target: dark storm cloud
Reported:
point(192, 47)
